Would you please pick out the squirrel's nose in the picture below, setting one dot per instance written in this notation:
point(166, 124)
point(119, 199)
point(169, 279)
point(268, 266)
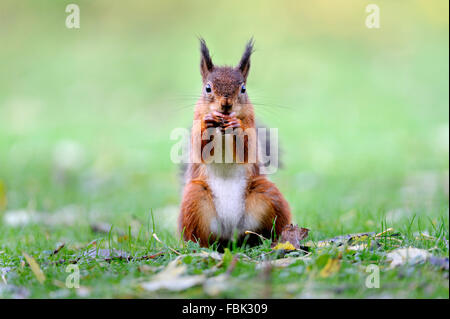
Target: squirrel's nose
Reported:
point(226, 108)
point(226, 105)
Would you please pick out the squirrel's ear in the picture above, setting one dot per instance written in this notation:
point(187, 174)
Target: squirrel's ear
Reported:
point(244, 64)
point(206, 64)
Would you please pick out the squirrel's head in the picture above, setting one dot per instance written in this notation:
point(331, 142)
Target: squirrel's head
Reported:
point(224, 87)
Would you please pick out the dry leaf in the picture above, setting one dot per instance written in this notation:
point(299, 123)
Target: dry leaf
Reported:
point(290, 238)
point(293, 234)
point(35, 267)
point(174, 284)
point(172, 278)
point(410, 255)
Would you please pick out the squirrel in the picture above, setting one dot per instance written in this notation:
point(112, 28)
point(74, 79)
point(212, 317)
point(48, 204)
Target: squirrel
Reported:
point(221, 201)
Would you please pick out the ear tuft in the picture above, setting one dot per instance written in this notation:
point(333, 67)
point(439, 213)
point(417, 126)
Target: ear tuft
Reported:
point(206, 64)
point(244, 64)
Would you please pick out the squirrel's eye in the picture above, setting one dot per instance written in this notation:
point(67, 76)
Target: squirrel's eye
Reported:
point(208, 88)
point(243, 89)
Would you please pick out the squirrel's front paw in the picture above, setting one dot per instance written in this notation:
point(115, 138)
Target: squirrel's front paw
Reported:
point(231, 122)
point(213, 120)
point(223, 121)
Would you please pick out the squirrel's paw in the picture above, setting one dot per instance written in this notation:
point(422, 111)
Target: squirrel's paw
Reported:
point(213, 120)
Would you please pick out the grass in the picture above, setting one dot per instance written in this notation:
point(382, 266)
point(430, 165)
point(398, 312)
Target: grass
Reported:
point(86, 115)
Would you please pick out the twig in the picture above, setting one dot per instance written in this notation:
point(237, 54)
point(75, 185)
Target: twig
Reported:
point(58, 249)
point(260, 236)
point(158, 240)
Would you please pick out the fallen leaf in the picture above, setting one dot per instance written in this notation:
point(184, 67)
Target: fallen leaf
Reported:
point(290, 238)
point(174, 284)
point(172, 278)
point(410, 255)
point(293, 234)
point(284, 246)
point(35, 267)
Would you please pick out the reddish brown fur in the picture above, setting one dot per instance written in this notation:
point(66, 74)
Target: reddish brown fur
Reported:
point(197, 210)
point(263, 201)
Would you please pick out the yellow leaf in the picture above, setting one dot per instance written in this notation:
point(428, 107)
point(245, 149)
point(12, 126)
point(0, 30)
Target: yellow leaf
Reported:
point(35, 267)
point(333, 265)
point(284, 246)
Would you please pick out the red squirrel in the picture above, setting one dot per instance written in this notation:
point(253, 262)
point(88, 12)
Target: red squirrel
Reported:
point(221, 201)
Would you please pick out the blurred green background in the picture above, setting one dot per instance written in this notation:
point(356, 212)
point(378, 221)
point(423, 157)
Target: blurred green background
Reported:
point(86, 114)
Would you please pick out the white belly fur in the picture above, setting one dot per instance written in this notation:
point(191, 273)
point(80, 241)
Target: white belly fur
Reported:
point(228, 183)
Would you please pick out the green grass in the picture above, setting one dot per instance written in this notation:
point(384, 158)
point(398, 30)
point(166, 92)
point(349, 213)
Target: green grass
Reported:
point(86, 116)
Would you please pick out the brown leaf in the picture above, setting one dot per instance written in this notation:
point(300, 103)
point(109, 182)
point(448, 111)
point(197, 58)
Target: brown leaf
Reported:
point(292, 234)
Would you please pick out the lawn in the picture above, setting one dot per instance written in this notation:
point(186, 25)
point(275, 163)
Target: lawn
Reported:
point(85, 122)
